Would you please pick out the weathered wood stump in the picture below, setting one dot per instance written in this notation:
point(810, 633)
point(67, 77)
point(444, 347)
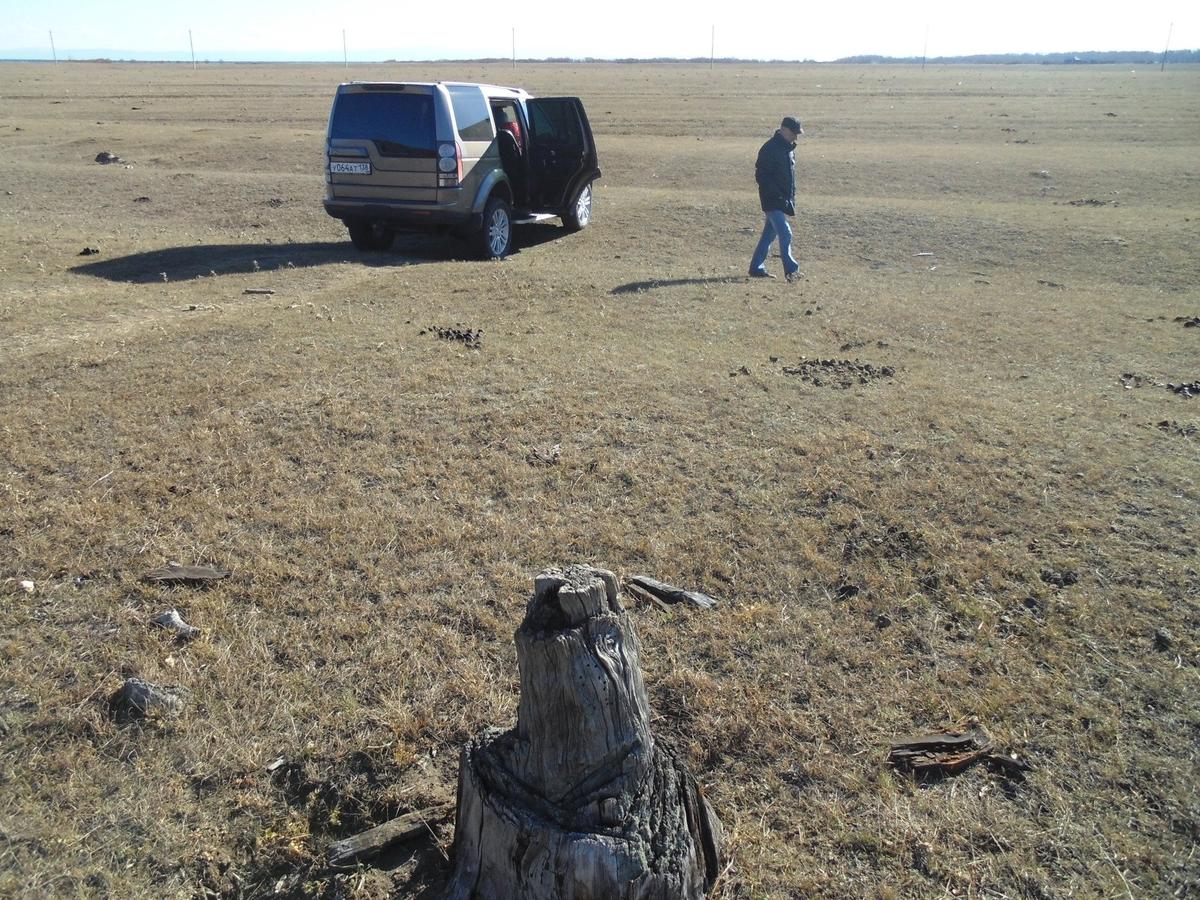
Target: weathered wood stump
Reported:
point(579, 801)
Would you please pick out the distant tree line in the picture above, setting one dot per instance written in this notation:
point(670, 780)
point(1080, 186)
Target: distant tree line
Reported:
point(1122, 57)
point(1091, 57)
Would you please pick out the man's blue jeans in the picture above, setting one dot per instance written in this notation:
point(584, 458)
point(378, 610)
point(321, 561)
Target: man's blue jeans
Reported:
point(776, 225)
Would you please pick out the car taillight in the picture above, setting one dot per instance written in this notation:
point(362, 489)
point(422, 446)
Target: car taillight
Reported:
point(449, 165)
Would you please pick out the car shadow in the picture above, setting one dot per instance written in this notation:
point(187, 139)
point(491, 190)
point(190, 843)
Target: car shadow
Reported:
point(198, 260)
point(638, 287)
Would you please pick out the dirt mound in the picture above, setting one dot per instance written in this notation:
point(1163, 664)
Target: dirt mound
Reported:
point(837, 373)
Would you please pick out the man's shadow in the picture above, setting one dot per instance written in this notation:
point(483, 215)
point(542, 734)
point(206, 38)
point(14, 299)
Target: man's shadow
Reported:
point(199, 260)
point(640, 287)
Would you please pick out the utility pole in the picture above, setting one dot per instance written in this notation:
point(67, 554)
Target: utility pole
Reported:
point(712, 50)
point(345, 55)
point(1170, 28)
point(53, 52)
point(192, 47)
point(514, 46)
point(925, 50)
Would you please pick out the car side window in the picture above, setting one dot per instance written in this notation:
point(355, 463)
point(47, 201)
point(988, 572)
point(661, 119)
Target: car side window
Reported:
point(555, 123)
point(471, 113)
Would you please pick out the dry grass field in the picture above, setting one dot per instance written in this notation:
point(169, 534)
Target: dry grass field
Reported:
point(1003, 530)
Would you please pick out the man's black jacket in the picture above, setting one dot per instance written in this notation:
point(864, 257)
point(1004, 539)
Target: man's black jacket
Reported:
point(775, 172)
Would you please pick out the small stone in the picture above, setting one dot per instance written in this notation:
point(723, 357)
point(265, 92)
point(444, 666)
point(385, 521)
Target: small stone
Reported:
point(1163, 639)
point(138, 699)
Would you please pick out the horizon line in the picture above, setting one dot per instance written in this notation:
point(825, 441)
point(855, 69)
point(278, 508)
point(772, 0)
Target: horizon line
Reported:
point(177, 57)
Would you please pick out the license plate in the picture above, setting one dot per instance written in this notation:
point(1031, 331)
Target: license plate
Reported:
point(349, 168)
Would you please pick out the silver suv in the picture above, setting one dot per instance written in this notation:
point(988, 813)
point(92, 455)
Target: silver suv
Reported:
point(469, 159)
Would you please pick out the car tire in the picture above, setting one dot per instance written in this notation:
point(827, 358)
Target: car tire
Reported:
point(577, 216)
point(494, 239)
point(370, 237)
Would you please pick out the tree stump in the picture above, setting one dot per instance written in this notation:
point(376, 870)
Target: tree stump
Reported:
point(580, 801)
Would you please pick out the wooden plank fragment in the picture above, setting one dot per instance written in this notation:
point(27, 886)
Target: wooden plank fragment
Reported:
point(950, 752)
point(370, 843)
point(668, 593)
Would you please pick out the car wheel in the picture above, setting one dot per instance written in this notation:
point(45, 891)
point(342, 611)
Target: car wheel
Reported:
point(579, 213)
point(370, 236)
point(495, 238)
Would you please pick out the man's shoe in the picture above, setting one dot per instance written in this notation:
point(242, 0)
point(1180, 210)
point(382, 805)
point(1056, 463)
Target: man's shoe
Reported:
point(759, 273)
point(793, 277)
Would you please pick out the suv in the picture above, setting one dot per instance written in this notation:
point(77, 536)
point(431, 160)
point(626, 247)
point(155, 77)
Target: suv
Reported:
point(469, 159)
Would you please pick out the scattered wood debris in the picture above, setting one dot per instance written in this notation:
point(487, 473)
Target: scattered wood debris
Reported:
point(1087, 201)
point(1172, 427)
point(172, 621)
point(89, 251)
point(1050, 284)
point(173, 572)
point(549, 457)
point(138, 699)
point(266, 291)
point(141, 199)
point(1187, 389)
point(857, 345)
point(1131, 380)
point(107, 159)
point(353, 850)
point(651, 590)
point(1193, 322)
point(943, 753)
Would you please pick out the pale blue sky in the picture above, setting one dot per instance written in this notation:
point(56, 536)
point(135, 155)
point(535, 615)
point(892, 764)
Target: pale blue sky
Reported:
point(309, 29)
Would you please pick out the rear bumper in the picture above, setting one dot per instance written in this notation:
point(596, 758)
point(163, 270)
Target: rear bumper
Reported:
point(404, 217)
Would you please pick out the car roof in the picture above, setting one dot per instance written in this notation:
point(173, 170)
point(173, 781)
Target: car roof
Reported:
point(492, 90)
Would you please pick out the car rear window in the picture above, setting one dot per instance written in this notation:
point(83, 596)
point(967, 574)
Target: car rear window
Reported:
point(399, 124)
point(471, 113)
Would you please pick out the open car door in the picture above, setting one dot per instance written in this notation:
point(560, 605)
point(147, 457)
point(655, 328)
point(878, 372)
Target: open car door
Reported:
point(562, 152)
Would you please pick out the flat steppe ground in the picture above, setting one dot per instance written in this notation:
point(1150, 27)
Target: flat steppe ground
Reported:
point(1002, 530)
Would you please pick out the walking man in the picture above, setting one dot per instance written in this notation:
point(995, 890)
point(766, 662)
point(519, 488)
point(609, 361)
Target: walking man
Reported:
point(775, 172)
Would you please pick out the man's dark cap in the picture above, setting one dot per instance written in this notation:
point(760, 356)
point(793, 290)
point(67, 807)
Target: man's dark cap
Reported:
point(791, 123)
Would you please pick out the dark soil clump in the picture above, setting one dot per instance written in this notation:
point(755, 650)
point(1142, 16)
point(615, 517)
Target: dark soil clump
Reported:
point(837, 373)
point(472, 338)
